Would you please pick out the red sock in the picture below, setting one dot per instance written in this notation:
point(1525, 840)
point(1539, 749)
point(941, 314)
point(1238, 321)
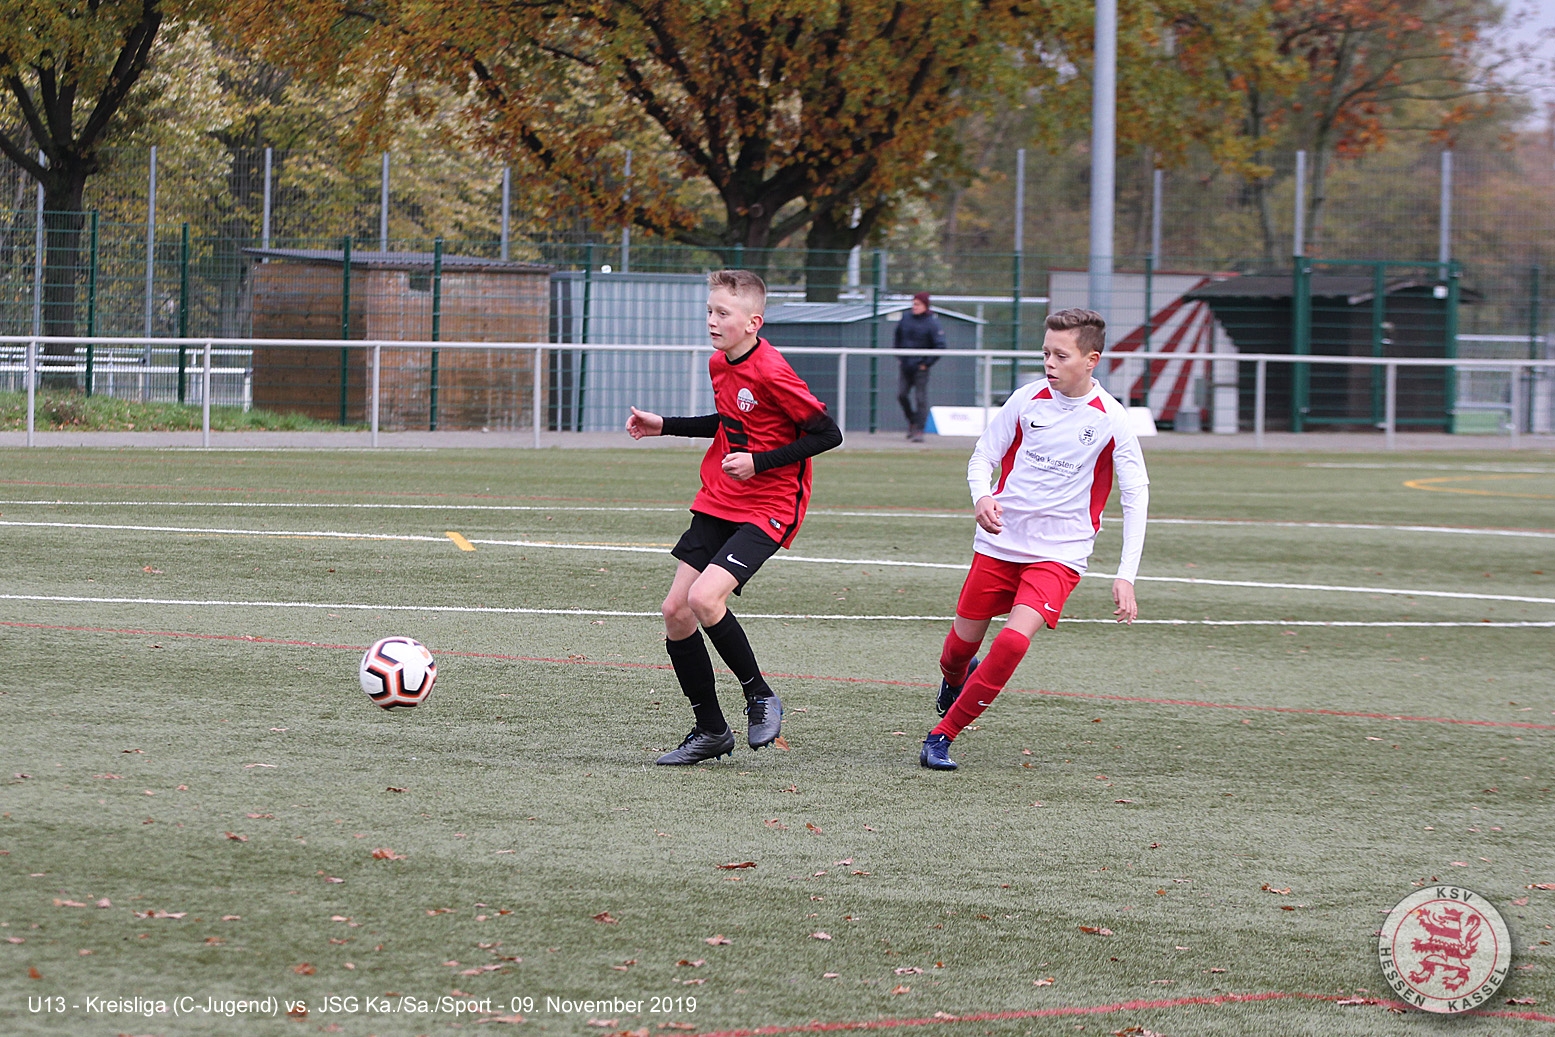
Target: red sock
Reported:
point(955, 657)
point(1008, 649)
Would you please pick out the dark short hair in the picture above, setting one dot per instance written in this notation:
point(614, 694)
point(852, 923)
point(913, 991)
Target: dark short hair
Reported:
point(742, 283)
point(1090, 327)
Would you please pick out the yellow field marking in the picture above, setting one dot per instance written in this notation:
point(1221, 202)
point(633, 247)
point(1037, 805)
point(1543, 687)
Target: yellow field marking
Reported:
point(1435, 485)
point(459, 541)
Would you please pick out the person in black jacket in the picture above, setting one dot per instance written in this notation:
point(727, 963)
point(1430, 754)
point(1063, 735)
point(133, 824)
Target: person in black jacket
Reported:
point(918, 330)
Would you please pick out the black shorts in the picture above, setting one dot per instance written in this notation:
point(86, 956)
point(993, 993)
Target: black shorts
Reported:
point(739, 547)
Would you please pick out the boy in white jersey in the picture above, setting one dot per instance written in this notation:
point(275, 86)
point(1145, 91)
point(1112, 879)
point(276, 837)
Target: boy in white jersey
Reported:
point(1056, 442)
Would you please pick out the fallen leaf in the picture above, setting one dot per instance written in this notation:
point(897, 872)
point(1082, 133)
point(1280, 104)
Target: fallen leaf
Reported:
point(781, 743)
point(1095, 930)
point(214, 940)
point(830, 975)
point(1543, 885)
point(15, 939)
point(251, 766)
point(1351, 1001)
point(1522, 1000)
point(901, 990)
point(232, 918)
point(735, 867)
point(692, 982)
point(1459, 864)
point(304, 969)
point(67, 903)
point(394, 788)
point(692, 964)
point(235, 837)
point(104, 902)
point(717, 941)
point(141, 751)
point(1520, 902)
point(1042, 982)
point(1123, 801)
point(820, 936)
point(301, 1011)
point(332, 880)
point(33, 973)
point(1278, 892)
point(810, 825)
point(774, 823)
point(383, 853)
point(601, 1022)
point(911, 970)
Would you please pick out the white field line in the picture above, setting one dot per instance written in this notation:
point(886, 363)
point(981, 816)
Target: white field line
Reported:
point(876, 562)
point(631, 509)
point(959, 516)
point(625, 614)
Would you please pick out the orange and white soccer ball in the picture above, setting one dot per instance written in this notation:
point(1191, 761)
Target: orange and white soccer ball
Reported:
point(398, 671)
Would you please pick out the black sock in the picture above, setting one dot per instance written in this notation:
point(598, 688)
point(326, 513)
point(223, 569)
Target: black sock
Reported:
point(694, 670)
point(730, 640)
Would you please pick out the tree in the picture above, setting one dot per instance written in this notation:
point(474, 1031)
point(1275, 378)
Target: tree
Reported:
point(71, 70)
point(779, 112)
point(1354, 72)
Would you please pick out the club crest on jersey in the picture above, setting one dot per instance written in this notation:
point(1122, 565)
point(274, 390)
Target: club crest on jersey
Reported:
point(745, 400)
point(1088, 435)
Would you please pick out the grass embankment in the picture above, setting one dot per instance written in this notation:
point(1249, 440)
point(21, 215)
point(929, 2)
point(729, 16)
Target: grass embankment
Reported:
point(73, 411)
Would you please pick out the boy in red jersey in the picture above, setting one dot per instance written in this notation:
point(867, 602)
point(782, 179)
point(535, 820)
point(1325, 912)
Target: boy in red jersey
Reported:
point(755, 487)
point(1056, 442)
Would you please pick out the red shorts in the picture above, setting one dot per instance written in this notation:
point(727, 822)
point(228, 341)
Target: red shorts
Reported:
point(994, 586)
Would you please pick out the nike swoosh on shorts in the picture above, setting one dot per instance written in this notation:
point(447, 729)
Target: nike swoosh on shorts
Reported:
point(736, 561)
point(1050, 608)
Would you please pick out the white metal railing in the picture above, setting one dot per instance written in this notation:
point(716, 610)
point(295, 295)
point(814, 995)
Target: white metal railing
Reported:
point(1520, 371)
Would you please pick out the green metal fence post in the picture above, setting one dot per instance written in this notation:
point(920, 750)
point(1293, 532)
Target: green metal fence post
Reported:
point(874, 343)
point(91, 301)
point(1450, 335)
point(345, 320)
point(1301, 342)
point(1379, 314)
point(1149, 325)
point(183, 310)
point(1533, 335)
point(1015, 319)
point(583, 355)
point(437, 321)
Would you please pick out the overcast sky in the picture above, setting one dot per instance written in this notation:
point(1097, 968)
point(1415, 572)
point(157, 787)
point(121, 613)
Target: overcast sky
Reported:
point(1543, 18)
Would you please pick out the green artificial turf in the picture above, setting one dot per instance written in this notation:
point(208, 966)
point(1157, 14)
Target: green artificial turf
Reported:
point(187, 750)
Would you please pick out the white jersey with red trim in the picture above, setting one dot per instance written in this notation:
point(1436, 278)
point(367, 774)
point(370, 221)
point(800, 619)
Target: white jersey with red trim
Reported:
point(1056, 457)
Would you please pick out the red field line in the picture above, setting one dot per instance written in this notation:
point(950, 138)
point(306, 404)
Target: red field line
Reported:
point(1080, 1010)
point(1094, 696)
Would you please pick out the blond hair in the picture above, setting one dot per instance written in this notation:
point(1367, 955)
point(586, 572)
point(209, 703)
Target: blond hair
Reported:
point(1089, 326)
point(742, 283)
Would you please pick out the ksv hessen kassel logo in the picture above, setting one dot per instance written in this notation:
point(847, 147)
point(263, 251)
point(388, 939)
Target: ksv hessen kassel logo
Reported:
point(745, 399)
point(1444, 949)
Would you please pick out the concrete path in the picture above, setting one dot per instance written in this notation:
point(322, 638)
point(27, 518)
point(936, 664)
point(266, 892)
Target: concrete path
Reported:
point(1314, 442)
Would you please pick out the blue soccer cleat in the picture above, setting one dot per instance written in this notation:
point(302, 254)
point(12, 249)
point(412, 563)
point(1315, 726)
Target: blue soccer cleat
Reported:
point(948, 693)
point(936, 753)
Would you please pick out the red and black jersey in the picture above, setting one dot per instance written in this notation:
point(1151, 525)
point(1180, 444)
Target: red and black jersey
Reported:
point(762, 406)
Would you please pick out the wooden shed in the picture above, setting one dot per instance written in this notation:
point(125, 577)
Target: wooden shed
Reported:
point(305, 293)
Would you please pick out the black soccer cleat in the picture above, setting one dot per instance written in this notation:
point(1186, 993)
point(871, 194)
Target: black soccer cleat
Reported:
point(764, 715)
point(948, 693)
point(936, 753)
point(699, 745)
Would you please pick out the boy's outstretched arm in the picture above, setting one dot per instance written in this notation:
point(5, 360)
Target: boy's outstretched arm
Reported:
point(646, 423)
point(1134, 487)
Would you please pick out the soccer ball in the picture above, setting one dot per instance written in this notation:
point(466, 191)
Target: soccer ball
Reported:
point(397, 671)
